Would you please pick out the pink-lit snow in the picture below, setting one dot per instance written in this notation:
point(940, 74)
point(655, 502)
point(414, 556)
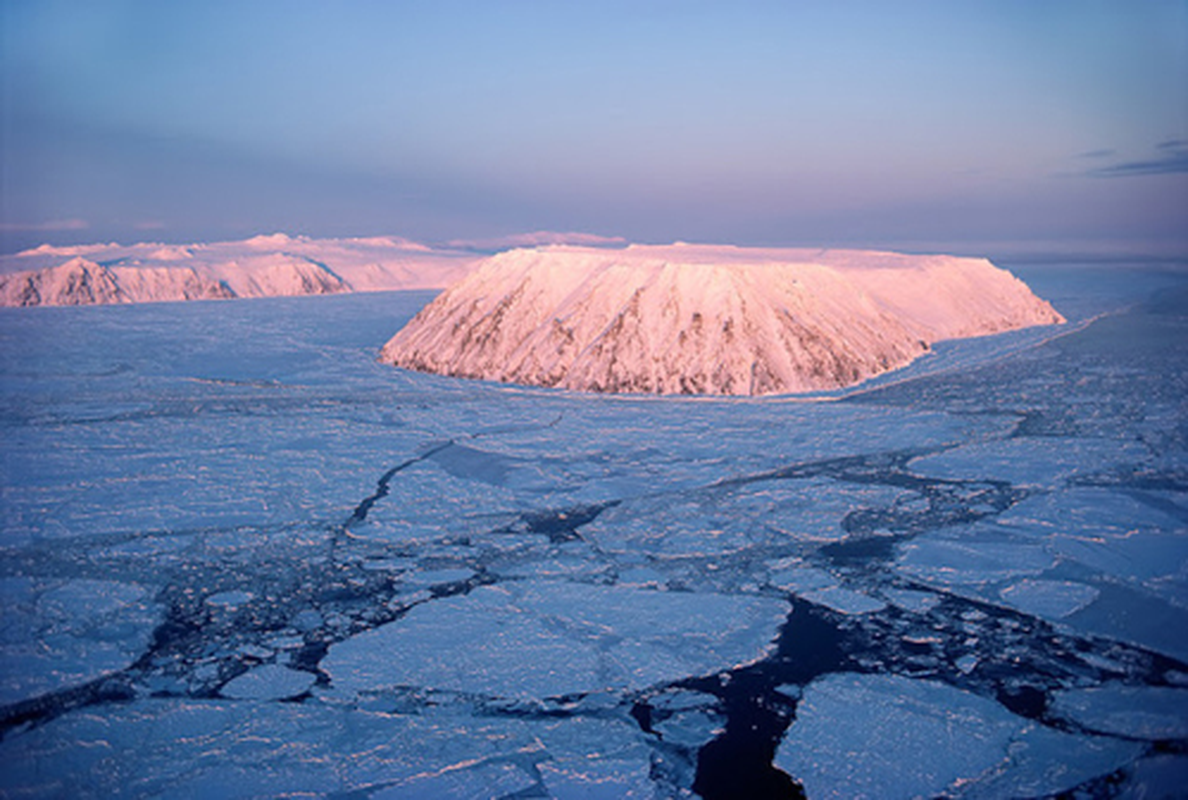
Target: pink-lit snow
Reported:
point(702, 319)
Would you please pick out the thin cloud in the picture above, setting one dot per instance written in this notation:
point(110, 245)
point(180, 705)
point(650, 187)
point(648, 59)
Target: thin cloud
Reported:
point(537, 239)
point(1171, 158)
point(51, 225)
point(1098, 154)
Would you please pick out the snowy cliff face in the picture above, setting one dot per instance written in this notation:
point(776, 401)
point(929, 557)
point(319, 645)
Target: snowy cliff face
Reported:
point(82, 282)
point(685, 319)
point(263, 266)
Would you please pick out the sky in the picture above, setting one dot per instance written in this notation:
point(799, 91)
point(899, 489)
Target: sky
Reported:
point(1011, 126)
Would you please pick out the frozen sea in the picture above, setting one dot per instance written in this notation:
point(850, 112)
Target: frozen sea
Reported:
point(240, 558)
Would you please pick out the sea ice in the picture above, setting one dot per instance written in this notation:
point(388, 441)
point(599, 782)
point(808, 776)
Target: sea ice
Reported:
point(948, 560)
point(221, 748)
point(800, 579)
point(60, 633)
point(1156, 560)
point(1041, 461)
point(802, 514)
point(845, 600)
point(230, 600)
point(1041, 762)
point(436, 577)
point(911, 600)
point(192, 491)
point(268, 682)
point(1090, 512)
point(537, 639)
point(884, 736)
point(1049, 599)
point(1158, 777)
point(1143, 712)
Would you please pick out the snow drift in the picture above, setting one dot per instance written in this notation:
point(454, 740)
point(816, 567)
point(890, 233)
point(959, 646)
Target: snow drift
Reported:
point(701, 319)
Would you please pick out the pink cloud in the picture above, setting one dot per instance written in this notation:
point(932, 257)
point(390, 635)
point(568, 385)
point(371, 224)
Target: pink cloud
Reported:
point(537, 239)
point(50, 225)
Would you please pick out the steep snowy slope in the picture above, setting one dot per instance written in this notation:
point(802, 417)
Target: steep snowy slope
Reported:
point(82, 282)
point(258, 267)
point(686, 319)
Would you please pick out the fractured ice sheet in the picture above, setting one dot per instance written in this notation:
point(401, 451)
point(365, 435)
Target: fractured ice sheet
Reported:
point(1158, 777)
point(59, 633)
point(844, 600)
point(1144, 712)
point(1091, 511)
point(1155, 560)
point(1041, 461)
point(540, 639)
point(1128, 615)
point(187, 748)
point(141, 450)
point(1049, 599)
point(582, 779)
point(959, 557)
point(268, 682)
point(1138, 537)
point(804, 512)
point(884, 736)
point(823, 588)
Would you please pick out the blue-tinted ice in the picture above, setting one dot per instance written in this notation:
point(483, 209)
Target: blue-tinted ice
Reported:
point(240, 558)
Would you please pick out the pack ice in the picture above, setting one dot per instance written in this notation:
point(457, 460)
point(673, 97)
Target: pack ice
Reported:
point(241, 558)
point(701, 319)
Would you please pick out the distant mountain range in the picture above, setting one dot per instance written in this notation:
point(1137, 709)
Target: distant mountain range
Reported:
point(700, 319)
point(262, 266)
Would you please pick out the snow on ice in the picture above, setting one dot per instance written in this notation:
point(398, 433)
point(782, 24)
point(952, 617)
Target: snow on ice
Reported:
point(242, 558)
point(927, 739)
point(545, 639)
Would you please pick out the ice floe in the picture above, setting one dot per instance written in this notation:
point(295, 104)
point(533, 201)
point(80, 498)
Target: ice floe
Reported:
point(60, 633)
point(537, 640)
point(926, 739)
point(1142, 712)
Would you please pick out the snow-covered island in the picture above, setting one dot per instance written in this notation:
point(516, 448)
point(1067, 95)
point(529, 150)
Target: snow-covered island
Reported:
point(706, 319)
point(262, 266)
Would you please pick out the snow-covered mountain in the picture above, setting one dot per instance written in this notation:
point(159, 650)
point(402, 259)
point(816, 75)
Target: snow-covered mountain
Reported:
point(701, 319)
point(262, 266)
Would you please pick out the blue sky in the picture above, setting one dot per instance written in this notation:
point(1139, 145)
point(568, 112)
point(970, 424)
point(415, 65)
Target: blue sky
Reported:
point(974, 126)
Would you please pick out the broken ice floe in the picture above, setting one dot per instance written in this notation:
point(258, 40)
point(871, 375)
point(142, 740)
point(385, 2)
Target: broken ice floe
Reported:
point(1048, 599)
point(959, 558)
point(546, 639)
point(268, 682)
point(926, 739)
point(1141, 712)
point(1040, 461)
point(218, 748)
point(61, 633)
point(210, 496)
